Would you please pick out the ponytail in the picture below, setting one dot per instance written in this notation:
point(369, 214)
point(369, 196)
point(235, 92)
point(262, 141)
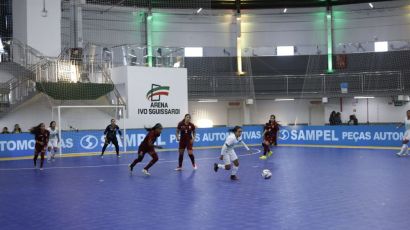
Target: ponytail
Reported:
point(36, 129)
point(234, 129)
point(156, 126)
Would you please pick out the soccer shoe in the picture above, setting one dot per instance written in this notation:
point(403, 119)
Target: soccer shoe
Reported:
point(145, 172)
point(102, 156)
point(263, 157)
point(216, 167)
point(178, 169)
point(270, 153)
point(234, 177)
point(41, 169)
point(195, 166)
point(118, 156)
point(400, 154)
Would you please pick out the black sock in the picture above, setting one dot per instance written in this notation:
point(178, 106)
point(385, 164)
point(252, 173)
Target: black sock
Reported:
point(103, 149)
point(180, 159)
point(192, 158)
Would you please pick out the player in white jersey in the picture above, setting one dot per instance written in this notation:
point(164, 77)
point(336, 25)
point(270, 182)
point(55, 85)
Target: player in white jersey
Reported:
point(228, 154)
point(53, 141)
point(406, 138)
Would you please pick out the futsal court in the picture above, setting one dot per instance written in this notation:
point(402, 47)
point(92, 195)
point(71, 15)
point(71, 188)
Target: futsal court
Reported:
point(311, 188)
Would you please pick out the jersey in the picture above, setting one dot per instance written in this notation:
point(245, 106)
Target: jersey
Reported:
point(186, 130)
point(271, 129)
point(148, 141)
point(407, 124)
point(53, 133)
point(42, 138)
point(230, 143)
point(111, 131)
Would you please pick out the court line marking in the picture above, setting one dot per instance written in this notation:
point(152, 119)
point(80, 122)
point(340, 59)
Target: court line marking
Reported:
point(64, 155)
point(114, 165)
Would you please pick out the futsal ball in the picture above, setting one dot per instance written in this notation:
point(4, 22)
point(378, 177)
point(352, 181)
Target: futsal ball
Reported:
point(266, 174)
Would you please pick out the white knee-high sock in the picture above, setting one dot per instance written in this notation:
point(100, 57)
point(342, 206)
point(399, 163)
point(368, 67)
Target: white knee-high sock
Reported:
point(234, 170)
point(221, 166)
point(404, 149)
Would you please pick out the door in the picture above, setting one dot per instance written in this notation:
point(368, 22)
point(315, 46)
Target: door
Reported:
point(317, 115)
point(234, 117)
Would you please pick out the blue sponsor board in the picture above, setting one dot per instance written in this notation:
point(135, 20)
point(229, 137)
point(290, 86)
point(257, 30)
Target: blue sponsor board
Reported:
point(13, 145)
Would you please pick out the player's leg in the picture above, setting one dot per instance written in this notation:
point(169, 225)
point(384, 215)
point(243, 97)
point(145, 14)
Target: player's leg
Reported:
point(181, 150)
point(404, 148)
point(154, 159)
point(35, 156)
point(49, 148)
point(117, 147)
point(106, 143)
point(55, 150)
point(43, 153)
point(226, 165)
point(235, 166)
point(191, 154)
point(137, 160)
point(235, 169)
point(266, 149)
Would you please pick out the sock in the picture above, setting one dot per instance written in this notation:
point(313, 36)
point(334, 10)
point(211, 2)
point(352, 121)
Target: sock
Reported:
point(221, 166)
point(152, 162)
point(266, 148)
point(35, 160)
point(42, 160)
point(180, 159)
point(234, 170)
point(404, 148)
point(103, 149)
point(192, 158)
point(48, 155)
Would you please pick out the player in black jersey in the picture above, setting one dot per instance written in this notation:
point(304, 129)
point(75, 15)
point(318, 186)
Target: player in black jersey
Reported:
point(111, 137)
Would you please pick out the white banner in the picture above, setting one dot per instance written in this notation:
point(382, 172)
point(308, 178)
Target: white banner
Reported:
point(155, 95)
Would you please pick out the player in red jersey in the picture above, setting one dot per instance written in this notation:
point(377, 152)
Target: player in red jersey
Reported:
point(41, 135)
point(270, 134)
point(186, 136)
point(147, 146)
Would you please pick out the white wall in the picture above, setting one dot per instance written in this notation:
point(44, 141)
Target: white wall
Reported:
point(41, 33)
point(381, 110)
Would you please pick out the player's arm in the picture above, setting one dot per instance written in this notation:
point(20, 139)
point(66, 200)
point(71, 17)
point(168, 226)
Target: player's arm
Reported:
point(193, 133)
point(106, 130)
point(178, 133)
point(58, 137)
point(244, 145)
point(119, 131)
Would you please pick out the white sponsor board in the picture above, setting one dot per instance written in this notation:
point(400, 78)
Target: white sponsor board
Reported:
point(153, 94)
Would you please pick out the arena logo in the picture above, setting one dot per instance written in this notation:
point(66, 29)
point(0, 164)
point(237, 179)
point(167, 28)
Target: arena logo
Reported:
point(157, 106)
point(156, 92)
point(89, 142)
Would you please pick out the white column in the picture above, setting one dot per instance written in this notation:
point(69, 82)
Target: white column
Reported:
point(37, 24)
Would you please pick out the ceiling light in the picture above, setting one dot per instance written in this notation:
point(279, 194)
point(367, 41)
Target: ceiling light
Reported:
point(285, 10)
point(199, 10)
point(371, 5)
point(363, 97)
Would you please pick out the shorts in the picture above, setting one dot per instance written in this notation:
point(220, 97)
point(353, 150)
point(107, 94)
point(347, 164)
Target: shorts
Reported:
point(229, 156)
point(39, 148)
point(53, 143)
point(272, 140)
point(143, 151)
point(186, 144)
point(406, 135)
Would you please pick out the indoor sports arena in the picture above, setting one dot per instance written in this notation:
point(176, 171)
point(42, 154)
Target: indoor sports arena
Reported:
point(204, 114)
